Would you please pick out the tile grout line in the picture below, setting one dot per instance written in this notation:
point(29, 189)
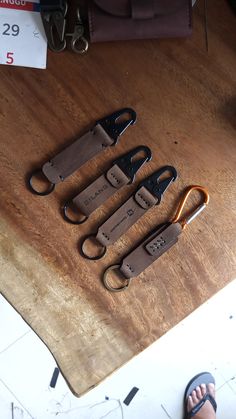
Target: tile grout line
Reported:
point(4, 384)
point(227, 383)
point(20, 337)
point(167, 414)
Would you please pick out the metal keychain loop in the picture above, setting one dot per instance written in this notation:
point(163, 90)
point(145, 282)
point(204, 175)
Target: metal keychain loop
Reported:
point(67, 218)
point(107, 284)
point(50, 188)
point(96, 257)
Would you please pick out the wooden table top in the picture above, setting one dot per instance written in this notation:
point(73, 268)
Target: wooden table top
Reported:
point(186, 108)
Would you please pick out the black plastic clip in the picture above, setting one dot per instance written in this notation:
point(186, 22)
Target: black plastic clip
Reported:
point(53, 14)
point(113, 127)
point(130, 167)
point(157, 187)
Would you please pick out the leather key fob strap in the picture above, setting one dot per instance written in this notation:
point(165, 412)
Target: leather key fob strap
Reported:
point(106, 132)
point(150, 250)
point(74, 156)
point(100, 190)
point(125, 216)
point(121, 173)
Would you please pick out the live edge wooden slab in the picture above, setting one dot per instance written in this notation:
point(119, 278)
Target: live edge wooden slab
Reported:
point(186, 106)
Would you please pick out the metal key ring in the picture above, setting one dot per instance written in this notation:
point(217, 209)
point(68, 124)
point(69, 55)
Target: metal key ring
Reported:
point(107, 284)
point(80, 41)
point(47, 191)
point(68, 219)
point(103, 248)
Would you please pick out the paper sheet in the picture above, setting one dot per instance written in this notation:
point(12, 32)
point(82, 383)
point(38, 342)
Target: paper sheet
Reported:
point(22, 37)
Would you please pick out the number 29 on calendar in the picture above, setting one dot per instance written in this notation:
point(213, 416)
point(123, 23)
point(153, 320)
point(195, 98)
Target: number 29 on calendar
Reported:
point(9, 30)
point(22, 37)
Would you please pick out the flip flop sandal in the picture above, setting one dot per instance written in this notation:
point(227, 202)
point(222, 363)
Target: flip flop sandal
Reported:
point(202, 378)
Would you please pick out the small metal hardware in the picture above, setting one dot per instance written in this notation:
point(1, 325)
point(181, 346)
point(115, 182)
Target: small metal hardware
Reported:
point(130, 167)
point(113, 127)
point(101, 248)
point(158, 187)
point(107, 280)
point(79, 43)
point(187, 220)
point(53, 16)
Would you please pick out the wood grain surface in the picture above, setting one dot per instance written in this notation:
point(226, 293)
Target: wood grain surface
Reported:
point(186, 106)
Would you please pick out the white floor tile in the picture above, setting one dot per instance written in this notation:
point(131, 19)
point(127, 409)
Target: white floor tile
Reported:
point(226, 401)
point(12, 326)
point(26, 368)
point(204, 341)
point(10, 407)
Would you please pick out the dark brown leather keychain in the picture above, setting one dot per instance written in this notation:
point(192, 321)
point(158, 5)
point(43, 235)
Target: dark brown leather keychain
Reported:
point(106, 132)
point(153, 246)
point(148, 194)
point(121, 173)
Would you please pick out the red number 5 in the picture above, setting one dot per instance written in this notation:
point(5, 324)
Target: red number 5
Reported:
point(10, 59)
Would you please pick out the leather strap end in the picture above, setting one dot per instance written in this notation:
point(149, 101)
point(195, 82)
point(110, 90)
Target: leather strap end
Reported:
point(117, 177)
point(100, 190)
point(150, 250)
point(52, 173)
point(144, 198)
point(75, 155)
point(155, 246)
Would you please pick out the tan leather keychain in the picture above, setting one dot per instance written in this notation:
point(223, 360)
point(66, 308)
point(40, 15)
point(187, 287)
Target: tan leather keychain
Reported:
point(105, 133)
point(121, 173)
point(148, 194)
point(153, 246)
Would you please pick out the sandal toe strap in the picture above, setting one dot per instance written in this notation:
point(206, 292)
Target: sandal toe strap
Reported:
point(198, 406)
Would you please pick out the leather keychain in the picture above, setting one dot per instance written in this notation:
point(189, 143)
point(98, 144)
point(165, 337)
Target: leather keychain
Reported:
point(122, 172)
point(106, 132)
point(154, 245)
point(148, 194)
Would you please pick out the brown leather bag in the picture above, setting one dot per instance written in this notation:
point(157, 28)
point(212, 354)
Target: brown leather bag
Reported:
point(111, 20)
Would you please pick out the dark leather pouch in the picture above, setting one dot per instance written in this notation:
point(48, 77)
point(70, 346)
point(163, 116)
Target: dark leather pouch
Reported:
point(111, 20)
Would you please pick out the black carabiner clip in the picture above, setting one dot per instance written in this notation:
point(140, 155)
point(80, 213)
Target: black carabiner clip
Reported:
point(157, 187)
point(129, 167)
point(113, 127)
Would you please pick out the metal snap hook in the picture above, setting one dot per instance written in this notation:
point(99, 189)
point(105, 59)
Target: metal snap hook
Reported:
point(185, 221)
point(157, 186)
point(50, 188)
point(65, 208)
point(53, 18)
point(79, 43)
point(106, 281)
point(103, 249)
point(115, 128)
point(130, 167)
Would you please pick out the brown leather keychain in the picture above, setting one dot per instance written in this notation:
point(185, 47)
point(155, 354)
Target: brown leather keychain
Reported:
point(148, 194)
point(106, 132)
point(121, 173)
point(153, 246)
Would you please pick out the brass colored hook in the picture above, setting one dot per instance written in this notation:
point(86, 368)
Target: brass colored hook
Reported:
point(195, 212)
